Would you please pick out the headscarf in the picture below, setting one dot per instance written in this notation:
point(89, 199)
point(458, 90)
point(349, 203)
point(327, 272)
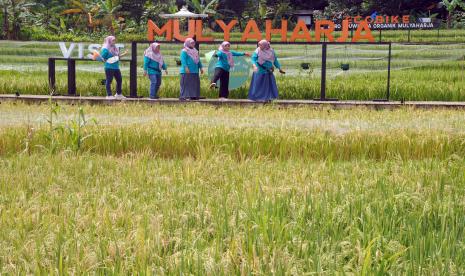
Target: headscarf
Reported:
point(192, 52)
point(265, 55)
point(153, 53)
point(109, 44)
point(228, 53)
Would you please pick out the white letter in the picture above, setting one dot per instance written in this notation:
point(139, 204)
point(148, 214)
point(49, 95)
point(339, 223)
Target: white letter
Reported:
point(81, 50)
point(66, 52)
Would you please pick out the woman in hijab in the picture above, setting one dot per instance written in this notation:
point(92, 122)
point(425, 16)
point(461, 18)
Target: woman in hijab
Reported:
point(263, 85)
point(190, 66)
point(153, 64)
point(110, 55)
point(223, 66)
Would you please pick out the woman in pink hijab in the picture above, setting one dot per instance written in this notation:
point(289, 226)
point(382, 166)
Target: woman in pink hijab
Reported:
point(263, 84)
point(111, 55)
point(153, 64)
point(223, 66)
point(190, 67)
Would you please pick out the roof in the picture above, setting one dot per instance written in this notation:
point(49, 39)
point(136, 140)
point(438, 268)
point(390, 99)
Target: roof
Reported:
point(184, 13)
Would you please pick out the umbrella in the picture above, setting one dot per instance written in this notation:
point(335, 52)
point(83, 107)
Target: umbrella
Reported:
point(209, 55)
point(183, 13)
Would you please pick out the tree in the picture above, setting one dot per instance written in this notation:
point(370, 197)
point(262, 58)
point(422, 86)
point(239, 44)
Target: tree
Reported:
point(339, 8)
point(15, 14)
point(46, 14)
point(108, 13)
point(85, 12)
point(230, 9)
point(6, 26)
point(202, 6)
point(133, 9)
point(451, 6)
point(397, 6)
point(309, 5)
point(153, 9)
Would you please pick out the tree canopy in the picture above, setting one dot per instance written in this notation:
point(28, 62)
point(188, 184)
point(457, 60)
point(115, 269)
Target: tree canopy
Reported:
point(21, 18)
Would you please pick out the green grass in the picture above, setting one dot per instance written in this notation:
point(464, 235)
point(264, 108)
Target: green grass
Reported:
point(204, 190)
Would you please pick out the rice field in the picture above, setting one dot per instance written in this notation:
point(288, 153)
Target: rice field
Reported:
point(419, 72)
point(195, 189)
point(191, 189)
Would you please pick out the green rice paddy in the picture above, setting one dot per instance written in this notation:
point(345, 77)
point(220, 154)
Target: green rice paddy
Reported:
point(203, 190)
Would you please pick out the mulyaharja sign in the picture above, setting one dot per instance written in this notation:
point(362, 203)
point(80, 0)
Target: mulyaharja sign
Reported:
point(326, 28)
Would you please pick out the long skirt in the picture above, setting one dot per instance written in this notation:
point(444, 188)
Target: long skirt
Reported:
point(190, 86)
point(263, 87)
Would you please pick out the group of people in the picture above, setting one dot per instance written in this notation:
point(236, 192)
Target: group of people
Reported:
point(262, 87)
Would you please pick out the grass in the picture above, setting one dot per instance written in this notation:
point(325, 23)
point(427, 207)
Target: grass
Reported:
point(204, 190)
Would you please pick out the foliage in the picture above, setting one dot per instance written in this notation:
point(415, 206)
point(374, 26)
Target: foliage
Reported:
point(123, 16)
point(15, 15)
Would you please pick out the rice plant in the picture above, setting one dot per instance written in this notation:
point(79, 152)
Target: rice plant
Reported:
point(205, 190)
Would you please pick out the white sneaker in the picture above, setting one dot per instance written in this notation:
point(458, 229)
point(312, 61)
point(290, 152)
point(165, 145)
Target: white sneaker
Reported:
point(223, 99)
point(109, 98)
point(119, 96)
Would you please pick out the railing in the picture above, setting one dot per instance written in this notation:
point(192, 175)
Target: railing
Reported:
point(133, 65)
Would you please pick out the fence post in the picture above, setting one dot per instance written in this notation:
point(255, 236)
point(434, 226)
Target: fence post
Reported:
point(71, 77)
point(324, 50)
point(133, 71)
point(51, 76)
point(388, 93)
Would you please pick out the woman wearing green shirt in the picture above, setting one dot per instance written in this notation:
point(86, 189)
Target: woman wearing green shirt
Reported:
point(223, 66)
point(110, 54)
point(153, 64)
point(190, 66)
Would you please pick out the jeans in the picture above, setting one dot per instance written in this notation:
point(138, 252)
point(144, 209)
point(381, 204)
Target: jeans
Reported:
point(110, 74)
point(155, 82)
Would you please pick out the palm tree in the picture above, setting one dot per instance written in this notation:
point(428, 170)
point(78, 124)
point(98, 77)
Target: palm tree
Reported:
point(203, 6)
point(86, 12)
point(108, 12)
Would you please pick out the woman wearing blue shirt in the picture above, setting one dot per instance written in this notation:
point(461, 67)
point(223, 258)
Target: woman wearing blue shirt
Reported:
point(223, 66)
point(190, 66)
point(263, 85)
point(110, 54)
point(153, 64)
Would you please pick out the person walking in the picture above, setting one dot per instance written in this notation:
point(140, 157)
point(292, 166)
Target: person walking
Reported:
point(111, 55)
point(153, 65)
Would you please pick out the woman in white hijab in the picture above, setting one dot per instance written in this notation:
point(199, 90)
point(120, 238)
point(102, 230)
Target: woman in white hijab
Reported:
point(190, 67)
point(110, 55)
point(153, 64)
point(263, 85)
